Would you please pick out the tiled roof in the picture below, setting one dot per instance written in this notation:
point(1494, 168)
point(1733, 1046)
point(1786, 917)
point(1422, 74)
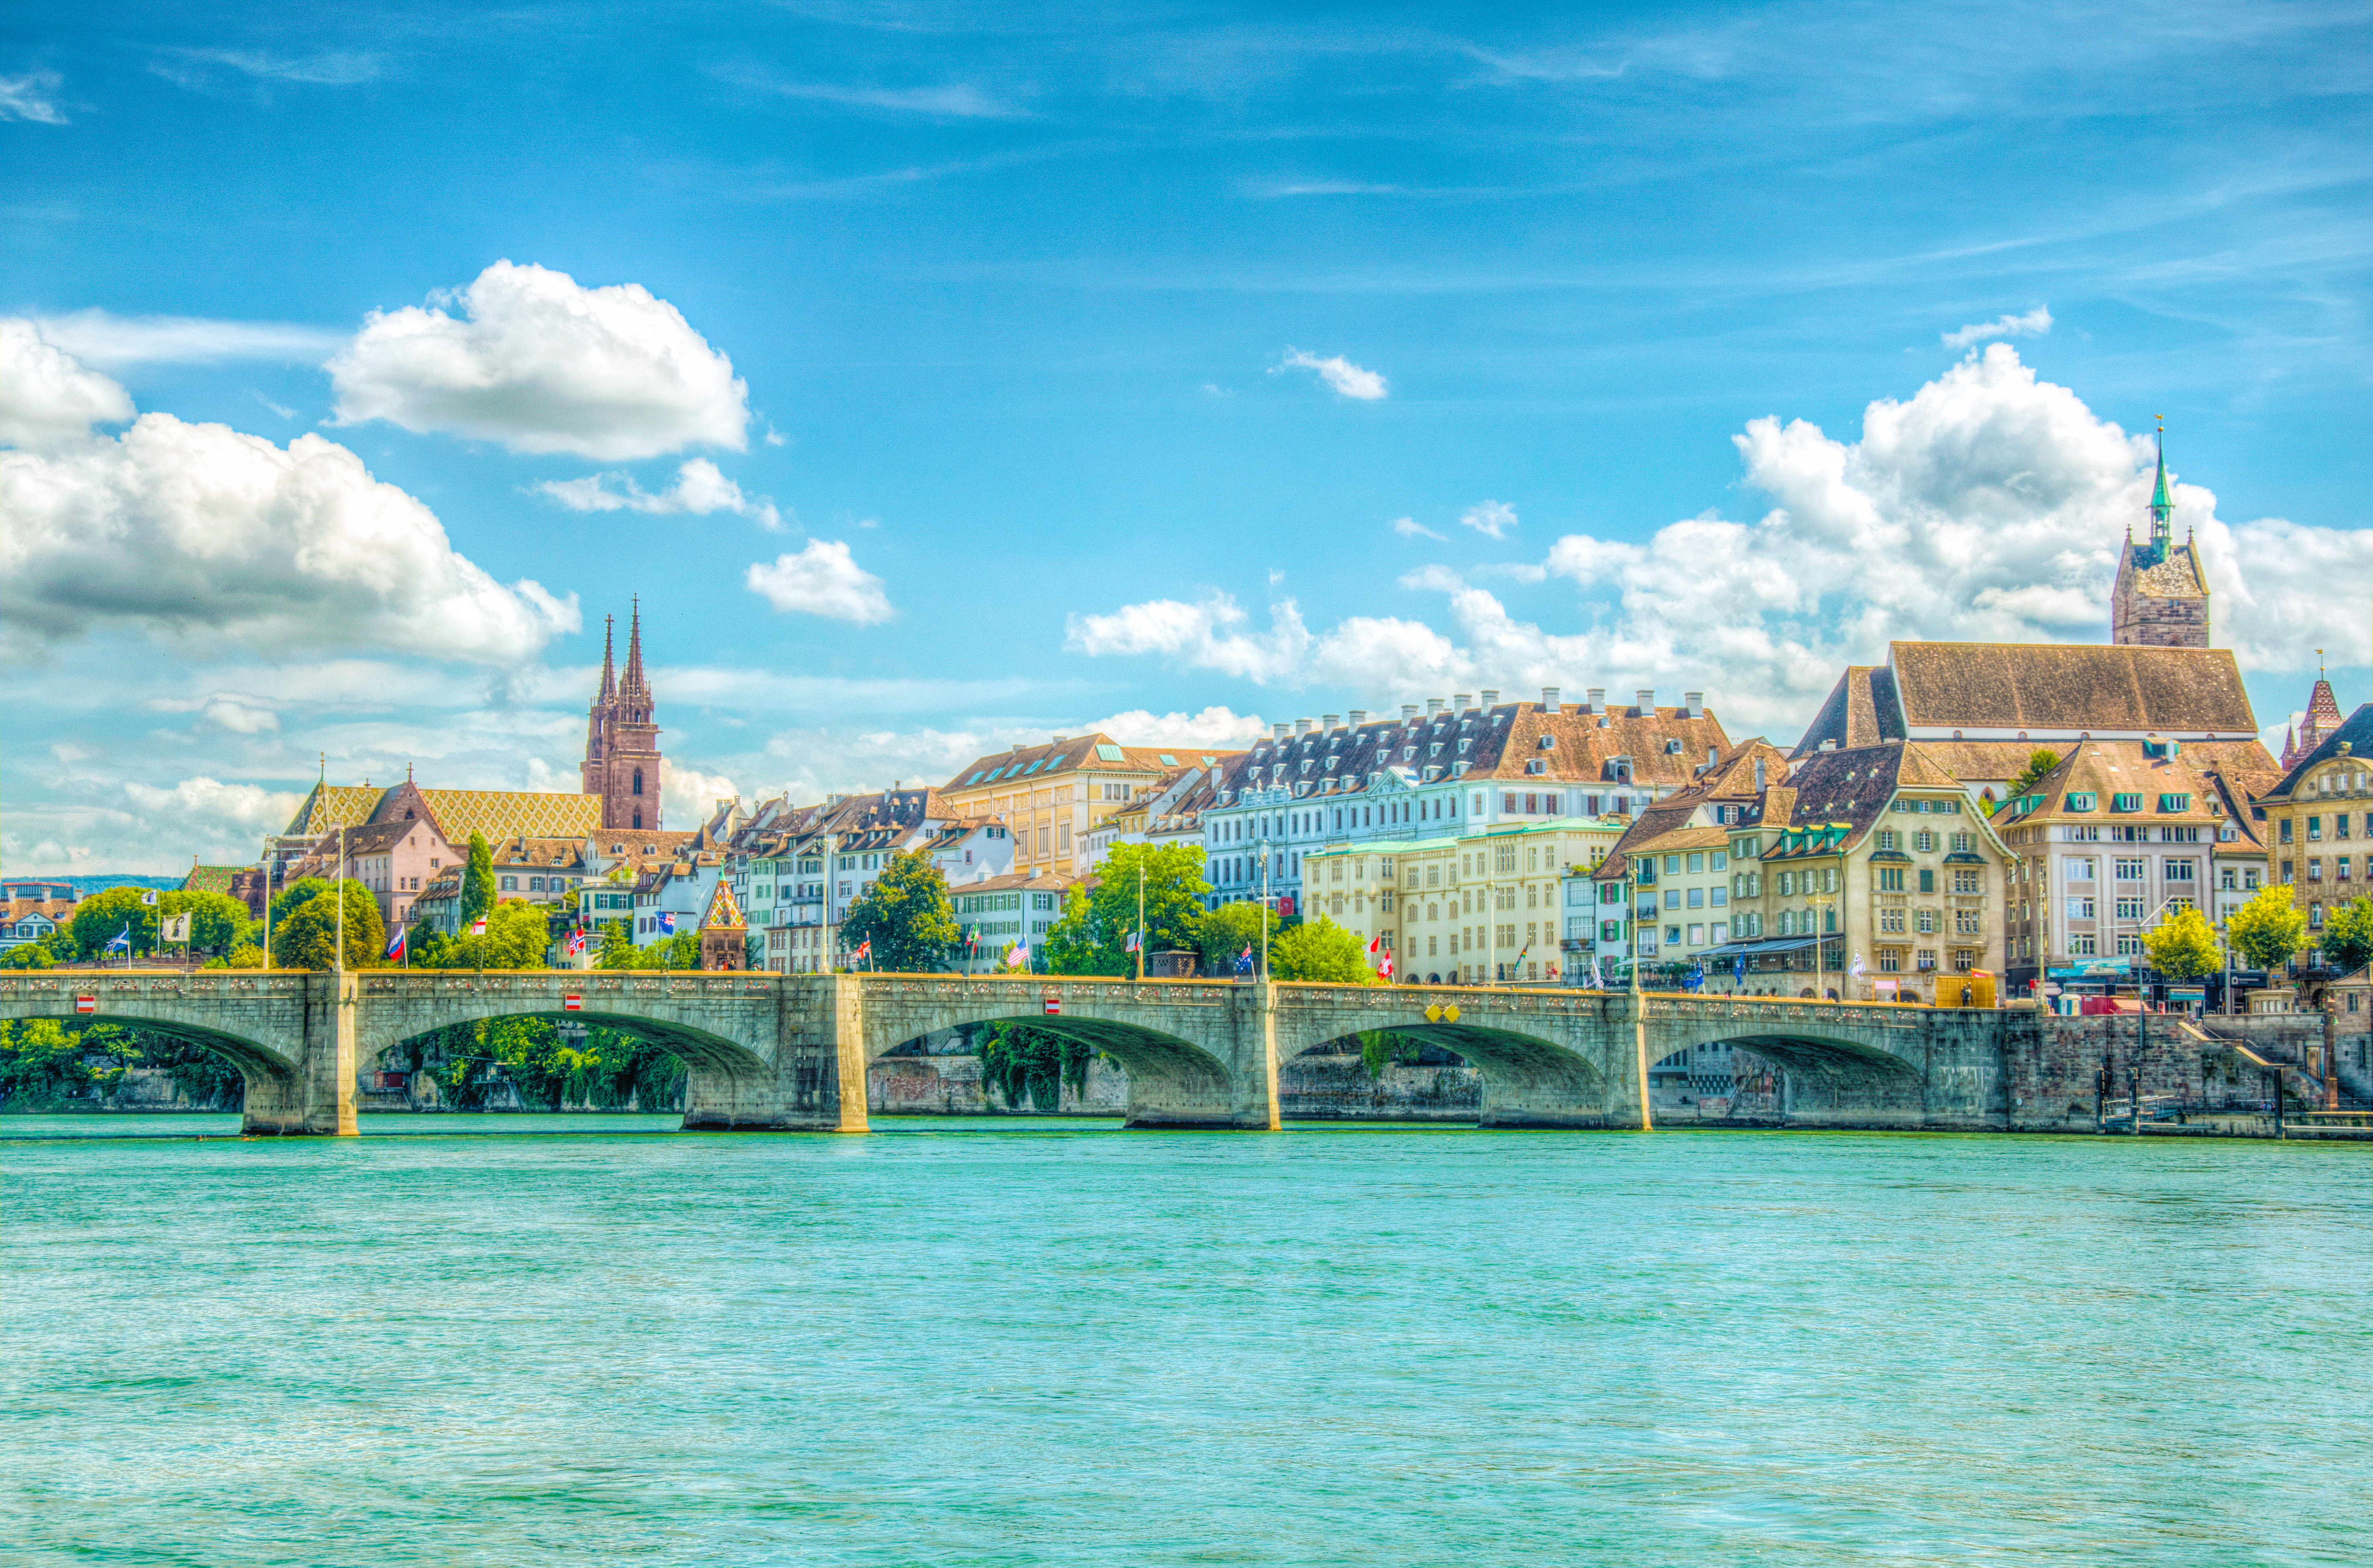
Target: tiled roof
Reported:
point(1861, 710)
point(2177, 576)
point(2107, 768)
point(1663, 748)
point(510, 813)
point(526, 852)
point(724, 913)
point(1076, 753)
point(1852, 787)
point(376, 837)
point(2062, 687)
point(328, 807)
point(2357, 734)
point(211, 878)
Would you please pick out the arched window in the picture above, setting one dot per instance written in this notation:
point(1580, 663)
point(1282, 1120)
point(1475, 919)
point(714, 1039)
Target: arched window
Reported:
point(639, 789)
point(639, 816)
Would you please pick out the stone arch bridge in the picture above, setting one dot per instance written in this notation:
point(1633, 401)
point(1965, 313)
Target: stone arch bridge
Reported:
point(765, 1051)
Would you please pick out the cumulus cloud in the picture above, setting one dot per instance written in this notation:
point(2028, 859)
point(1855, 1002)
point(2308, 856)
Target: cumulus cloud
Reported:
point(227, 711)
point(699, 489)
point(687, 796)
point(2035, 323)
point(46, 395)
point(821, 579)
point(1492, 519)
point(1988, 506)
point(542, 363)
point(1217, 727)
point(95, 337)
point(1409, 528)
point(188, 529)
point(1347, 379)
point(33, 95)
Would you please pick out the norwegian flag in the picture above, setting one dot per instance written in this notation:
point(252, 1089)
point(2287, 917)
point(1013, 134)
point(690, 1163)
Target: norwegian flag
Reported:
point(574, 947)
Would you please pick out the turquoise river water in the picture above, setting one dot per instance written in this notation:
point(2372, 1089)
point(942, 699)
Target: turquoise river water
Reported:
point(452, 1341)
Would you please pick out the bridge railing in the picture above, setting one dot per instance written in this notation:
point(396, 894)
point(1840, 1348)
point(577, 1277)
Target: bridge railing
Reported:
point(555, 982)
point(232, 984)
point(1023, 990)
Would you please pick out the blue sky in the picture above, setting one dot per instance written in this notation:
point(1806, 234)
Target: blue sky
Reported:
point(1173, 369)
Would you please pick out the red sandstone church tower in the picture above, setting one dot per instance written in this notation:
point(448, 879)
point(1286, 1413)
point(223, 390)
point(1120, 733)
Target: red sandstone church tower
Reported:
point(622, 744)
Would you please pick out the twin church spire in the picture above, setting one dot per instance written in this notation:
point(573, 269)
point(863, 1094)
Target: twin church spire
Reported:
point(622, 738)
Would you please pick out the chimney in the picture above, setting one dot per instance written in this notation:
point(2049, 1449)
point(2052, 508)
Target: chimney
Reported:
point(1491, 700)
point(1461, 701)
point(1332, 722)
point(1759, 774)
point(1280, 730)
point(1548, 699)
point(1302, 727)
point(1408, 713)
point(1359, 717)
point(1694, 703)
point(1434, 706)
point(1647, 702)
point(1597, 704)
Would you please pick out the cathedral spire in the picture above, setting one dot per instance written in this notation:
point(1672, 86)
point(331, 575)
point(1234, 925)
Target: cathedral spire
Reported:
point(2162, 506)
point(609, 680)
point(634, 678)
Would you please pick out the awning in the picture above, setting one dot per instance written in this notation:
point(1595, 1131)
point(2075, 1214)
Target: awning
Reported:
point(1769, 945)
point(2096, 969)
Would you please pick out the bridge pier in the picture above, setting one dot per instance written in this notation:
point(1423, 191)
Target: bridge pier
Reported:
point(316, 1096)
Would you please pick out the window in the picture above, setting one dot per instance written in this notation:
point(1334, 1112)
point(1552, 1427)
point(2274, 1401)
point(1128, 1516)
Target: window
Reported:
point(2081, 946)
point(2081, 800)
point(2314, 828)
point(510, 885)
point(1963, 842)
point(2128, 947)
point(1891, 878)
point(1966, 880)
point(2131, 870)
point(1967, 922)
point(2286, 827)
point(2175, 802)
point(2126, 801)
point(639, 786)
point(2129, 909)
point(1891, 920)
point(1886, 838)
point(2181, 870)
point(1927, 880)
point(1927, 922)
point(2080, 908)
point(1924, 842)
point(1890, 960)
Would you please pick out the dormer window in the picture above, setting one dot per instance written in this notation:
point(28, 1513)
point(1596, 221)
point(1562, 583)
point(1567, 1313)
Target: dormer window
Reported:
point(1548, 742)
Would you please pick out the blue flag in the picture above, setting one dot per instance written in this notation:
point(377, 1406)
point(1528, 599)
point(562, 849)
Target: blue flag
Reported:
point(121, 939)
point(1738, 969)
point(667, 923)
point(1244, 960)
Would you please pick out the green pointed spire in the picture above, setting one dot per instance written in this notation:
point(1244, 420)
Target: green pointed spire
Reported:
point(2162, 506)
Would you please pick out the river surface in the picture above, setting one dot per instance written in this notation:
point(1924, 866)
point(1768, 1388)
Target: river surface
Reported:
point(451, 1342)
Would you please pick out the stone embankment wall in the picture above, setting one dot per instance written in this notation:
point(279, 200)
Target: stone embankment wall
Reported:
point(951, 1086)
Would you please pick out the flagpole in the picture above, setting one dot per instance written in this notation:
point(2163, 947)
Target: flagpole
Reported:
point(1140, 922)
point(339, 886)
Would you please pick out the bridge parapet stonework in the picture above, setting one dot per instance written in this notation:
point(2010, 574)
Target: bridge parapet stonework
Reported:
point(765, 1051)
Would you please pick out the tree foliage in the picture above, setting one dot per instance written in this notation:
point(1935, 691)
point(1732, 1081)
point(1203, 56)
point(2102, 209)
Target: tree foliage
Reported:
point(1320, 950)
point(1091, 937)
point(99, 918)
point(517, 936)
point(309, 938)
point(27, 956)
point(906, 914)
point(1022, 1063)
point(2184, 947)
point(2039, 762)
point(1225, 932)
point(2268, 931)
point(43, 1061)
point(2348, 935)
point(680, 951)
point(477, 882)
point(549, 1068)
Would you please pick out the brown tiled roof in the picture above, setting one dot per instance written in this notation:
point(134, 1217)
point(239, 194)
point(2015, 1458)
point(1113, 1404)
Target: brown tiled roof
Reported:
point(376, 838)
point(1095, 752)
point(1861, 710)
point(1852, 787)
point(539, 853)
point(1500, 742)
point(2106, 768)
point(2063, 686)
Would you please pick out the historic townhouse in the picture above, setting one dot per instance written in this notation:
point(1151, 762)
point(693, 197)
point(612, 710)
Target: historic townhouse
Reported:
point(2318, 821)
point(1456, 769)
point(1055, 796)
point(998, 913)
point(1473, 907)
point(1682, 893)
point(2119, 836)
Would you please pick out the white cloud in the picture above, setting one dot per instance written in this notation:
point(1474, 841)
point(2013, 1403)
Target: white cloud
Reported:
point(1216, 728)
point(95, 337)
point(700, 489)
point(45, 395)
point(199, 532)
point(2035, 323)
point(229, 711)
point(1988, 506)
point(821, 579)
point(334, 68)
point(1492, 519)
point(955, 100)
point(32, 95)
point(1409, 528)
point(541, 364)
point(1347, 379)
point(687, 796)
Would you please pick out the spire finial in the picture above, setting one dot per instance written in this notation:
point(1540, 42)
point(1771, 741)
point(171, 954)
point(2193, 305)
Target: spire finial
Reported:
point(609, 676)
point(2162, 504)
point(325, 768)
point(633, 680)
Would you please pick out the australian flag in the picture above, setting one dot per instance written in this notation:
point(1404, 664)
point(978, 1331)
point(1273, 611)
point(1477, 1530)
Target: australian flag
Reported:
point(1244, 960)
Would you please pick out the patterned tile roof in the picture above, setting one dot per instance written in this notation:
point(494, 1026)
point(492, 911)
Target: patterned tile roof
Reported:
point(513, 813)
point(724, 913)
point(210, 879)
point(328, 807)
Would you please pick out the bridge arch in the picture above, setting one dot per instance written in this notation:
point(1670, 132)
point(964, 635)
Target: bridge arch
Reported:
point(1165, 1072)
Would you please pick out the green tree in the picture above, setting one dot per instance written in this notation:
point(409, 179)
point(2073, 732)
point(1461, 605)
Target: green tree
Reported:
point(908, 916)
point(218, 921)
point(285, 902)
point(99, 917)
point(27, 956)
point(2348, 935)
point(1025, 1064)
point(1320, 950)
point(680, 951)
point(2268, 931)
point(43, 1061)
point(517, 939)
point(1225, 932)
point(2039, 762)
point(1091, 937)
point(308, 939)
point(477, 882)
point(2183, 946)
